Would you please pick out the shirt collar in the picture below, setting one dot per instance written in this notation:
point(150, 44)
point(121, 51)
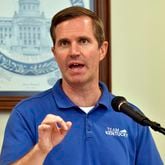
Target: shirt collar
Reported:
point(106, 96)
point(63, 101)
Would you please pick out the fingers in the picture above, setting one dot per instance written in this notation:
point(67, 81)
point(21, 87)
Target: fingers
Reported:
point(57, 122)
point(69, 124)
point(51, 132)
point(64, 132)
point(44, 127)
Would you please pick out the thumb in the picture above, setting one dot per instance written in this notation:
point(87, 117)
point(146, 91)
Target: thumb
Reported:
point(68, 124)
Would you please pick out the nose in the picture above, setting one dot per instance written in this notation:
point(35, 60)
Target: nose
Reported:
point(74, 50)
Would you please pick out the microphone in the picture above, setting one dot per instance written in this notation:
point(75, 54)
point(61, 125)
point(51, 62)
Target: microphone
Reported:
point(120, 104)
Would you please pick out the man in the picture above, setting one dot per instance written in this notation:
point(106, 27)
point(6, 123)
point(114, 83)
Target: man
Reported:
point(73, 123)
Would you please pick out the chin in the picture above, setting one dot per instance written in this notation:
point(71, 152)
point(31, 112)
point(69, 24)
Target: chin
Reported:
point(77, 81)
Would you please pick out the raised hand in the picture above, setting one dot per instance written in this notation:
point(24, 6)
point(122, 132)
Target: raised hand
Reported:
point(51, 132)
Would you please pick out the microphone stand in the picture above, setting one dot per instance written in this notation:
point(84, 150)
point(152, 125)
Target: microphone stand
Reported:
point(140, 118)
point(154, 125)
point(120, 104)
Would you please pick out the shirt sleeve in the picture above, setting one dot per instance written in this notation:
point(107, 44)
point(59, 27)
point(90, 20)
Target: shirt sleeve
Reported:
point(18, 138)
point(147, 152)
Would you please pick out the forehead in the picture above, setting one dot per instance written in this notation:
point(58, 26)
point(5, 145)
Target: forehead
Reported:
point(82, 24)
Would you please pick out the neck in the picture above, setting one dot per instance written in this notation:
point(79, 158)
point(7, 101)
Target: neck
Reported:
point(83, 96)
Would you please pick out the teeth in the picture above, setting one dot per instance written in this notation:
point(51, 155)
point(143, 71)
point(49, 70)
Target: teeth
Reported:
point(76, 65)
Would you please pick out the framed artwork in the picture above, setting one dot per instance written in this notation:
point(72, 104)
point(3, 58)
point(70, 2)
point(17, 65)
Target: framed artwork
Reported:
point(27, 65)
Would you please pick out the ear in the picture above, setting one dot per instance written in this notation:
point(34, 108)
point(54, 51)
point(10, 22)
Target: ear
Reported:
point(103, 50)
point(53, 51)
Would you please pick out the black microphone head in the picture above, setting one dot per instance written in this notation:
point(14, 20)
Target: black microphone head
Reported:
point(117, 102)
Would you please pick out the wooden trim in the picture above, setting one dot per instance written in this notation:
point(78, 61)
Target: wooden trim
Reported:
point(102, 8)
point(8, 102)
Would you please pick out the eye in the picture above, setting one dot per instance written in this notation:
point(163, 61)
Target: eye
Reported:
point(63, 43)
point(84, 41)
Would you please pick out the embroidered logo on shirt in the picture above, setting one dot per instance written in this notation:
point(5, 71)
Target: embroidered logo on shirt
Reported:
point(116, 132)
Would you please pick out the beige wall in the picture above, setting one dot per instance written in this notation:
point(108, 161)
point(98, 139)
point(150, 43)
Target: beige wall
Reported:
point(138, 57)
point(3, 120)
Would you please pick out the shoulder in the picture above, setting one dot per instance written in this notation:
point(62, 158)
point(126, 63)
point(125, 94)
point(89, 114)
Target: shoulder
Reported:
point(35, 100)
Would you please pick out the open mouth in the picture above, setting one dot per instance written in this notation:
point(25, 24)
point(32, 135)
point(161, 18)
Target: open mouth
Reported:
point(76, 66)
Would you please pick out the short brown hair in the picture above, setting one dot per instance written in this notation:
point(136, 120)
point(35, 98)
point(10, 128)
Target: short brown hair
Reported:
point(76, 11)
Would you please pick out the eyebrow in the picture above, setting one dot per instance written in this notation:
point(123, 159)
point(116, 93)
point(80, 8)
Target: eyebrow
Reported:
point(62, 40)
point(78, 38)
point(84, 37)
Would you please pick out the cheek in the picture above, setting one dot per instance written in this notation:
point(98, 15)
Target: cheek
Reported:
point(59, 55)
point(93, 62)
point(94, 56)
point(60, 61)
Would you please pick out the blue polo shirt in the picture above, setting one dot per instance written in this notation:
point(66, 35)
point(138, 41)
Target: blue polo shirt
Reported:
point(101, 137)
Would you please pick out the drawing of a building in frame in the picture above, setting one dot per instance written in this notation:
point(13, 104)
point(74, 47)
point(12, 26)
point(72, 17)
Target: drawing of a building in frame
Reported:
point(27, 32)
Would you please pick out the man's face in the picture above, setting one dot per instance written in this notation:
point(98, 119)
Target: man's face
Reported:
point(76, 50)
